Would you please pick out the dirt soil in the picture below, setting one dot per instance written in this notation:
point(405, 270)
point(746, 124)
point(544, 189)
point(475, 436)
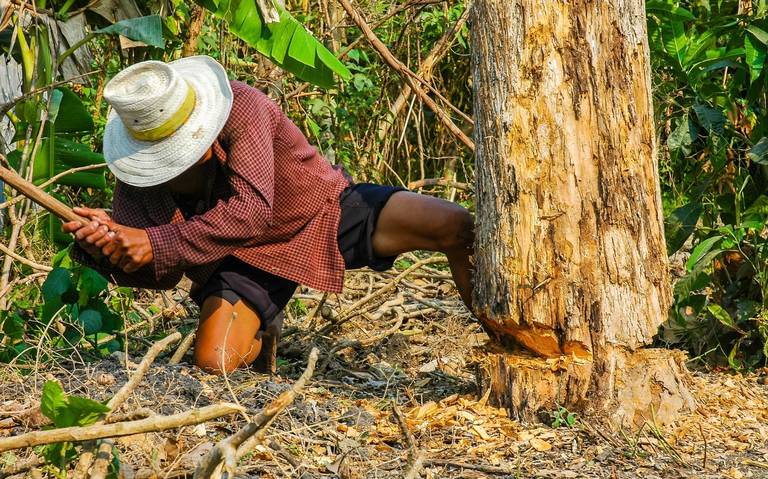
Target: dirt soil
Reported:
point(418, 348)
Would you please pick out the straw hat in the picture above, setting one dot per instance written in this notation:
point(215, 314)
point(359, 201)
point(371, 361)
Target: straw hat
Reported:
point(164, 117)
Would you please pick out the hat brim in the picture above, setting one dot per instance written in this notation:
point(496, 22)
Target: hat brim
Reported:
point(145, 163)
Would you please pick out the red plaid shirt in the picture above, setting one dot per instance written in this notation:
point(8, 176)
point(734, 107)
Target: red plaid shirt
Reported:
point(276, 207)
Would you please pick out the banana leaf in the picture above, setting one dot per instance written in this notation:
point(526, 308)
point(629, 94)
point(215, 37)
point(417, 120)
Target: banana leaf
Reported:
point(286, 43)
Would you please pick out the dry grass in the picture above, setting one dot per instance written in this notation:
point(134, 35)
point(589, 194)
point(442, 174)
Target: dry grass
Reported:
point(342, 425)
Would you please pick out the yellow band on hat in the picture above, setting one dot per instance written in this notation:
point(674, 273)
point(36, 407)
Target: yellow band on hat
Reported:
point(172, 124)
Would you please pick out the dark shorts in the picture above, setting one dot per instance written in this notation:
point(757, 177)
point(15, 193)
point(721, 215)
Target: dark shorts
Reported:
point(234, 279)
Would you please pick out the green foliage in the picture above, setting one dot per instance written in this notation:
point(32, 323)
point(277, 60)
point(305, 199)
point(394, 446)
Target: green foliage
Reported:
point(562, 417)
point(709, 77)
point(76, 309)
point(66, 411)
point(285, 42)
point(147, 29)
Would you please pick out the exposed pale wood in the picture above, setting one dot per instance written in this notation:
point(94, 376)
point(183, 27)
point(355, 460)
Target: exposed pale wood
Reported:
point(648, 385)
point(570, 251)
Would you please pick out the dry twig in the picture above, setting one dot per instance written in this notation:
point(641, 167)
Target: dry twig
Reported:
point(22, 467)
point(232, 448)
point(357, 307)
point(413, 80)
point(101, 431)
point(125, 391)
point(415, 458)
point(472, 467)
point(117, 400)
point(183, 348)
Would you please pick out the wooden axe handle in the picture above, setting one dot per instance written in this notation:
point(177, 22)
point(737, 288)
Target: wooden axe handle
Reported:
point(39, 196)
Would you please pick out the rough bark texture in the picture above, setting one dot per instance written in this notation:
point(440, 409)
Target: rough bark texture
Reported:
point(570, 246)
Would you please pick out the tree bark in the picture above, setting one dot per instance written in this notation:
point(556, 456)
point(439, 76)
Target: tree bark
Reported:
point(570, 254)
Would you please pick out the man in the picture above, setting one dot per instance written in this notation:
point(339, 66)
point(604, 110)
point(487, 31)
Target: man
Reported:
point(215, 182)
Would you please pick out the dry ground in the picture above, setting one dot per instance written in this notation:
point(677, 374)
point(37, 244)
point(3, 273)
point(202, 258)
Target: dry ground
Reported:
point(418, 348)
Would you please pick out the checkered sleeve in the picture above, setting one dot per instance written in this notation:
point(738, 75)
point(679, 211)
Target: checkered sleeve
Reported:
point(237, 221)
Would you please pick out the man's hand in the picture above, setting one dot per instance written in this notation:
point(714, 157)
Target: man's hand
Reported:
point(126, 247)
point(130, 248)
point(94, 235)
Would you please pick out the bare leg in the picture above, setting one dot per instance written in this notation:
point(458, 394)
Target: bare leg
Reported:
point(238, 324)
point(411, 221)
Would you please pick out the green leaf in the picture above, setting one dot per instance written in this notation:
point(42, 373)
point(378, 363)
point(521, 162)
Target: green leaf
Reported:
point(710, 118)
point(675, 41)
point(58, 282)
point(246, 19)
point(683, 136)
point(697, 49)
point(90, 320)
point(700, 250)
point(282, 42)
point(719, 58)
point(755, 54)
point(147, 29)
point(13, 326)
point(668, 12)
point(286, 43)
point(73, 116)
point(734, 362)
point(313, 126)
point(62, 259)
point(696, 278)
point(759, 152)
point(85, 411)
point(679, 226)
point(53, 110)
point(52, 400)
point(70, 154)
point(760, 34)
point(110, 321)
point(303, 47)
point(91, 282)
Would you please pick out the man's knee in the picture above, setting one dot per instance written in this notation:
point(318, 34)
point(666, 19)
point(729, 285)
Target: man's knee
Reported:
point(213, 361)
point(456, 231)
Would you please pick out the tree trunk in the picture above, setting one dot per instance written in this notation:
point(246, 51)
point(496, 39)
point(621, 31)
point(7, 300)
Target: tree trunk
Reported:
point(570, 254)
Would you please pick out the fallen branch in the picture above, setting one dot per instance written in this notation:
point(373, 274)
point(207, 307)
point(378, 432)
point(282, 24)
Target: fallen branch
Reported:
point(103, 458)
point(22, 467)
point(232, 448)
point(183, 348)
point(356, 308)
point(415, 458)
point(100, 465)
point(409, 77)
point(472, 467)
point(101, 431)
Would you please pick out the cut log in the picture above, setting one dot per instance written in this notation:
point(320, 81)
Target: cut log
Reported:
point(570, 253)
